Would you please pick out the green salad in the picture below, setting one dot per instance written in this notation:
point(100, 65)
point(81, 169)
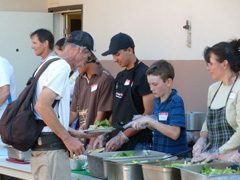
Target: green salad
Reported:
point(214, 171)
point(104, 124)
point(122, 154)
point(173, 164)
point(138, 161)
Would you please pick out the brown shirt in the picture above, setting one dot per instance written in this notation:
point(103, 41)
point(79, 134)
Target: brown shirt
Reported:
point(92, 95)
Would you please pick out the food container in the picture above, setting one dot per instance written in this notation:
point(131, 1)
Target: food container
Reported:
point(193, 172)
point(76, 164)
point(158, 171)
point(126, 169)
point(18, 155)
point(97, 161)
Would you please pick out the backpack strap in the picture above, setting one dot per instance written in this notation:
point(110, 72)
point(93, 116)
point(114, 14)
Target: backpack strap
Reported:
point(41, 70)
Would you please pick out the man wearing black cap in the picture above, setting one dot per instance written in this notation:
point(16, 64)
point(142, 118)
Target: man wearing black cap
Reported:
point(50, 158)
point(132, 95)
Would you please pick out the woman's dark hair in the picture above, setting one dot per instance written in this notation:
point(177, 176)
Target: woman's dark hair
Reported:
point(60, 43)
point(229, 51)
point(161, 68)
point(44, 35)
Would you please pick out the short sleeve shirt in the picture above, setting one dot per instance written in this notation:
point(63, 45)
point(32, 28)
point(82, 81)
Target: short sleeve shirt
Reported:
point(92, 95)
point(7, 78)
point(140, 86)
point(170, 112)
point(56, 78)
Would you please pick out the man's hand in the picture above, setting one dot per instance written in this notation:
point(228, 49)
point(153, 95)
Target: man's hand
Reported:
point(74, 146)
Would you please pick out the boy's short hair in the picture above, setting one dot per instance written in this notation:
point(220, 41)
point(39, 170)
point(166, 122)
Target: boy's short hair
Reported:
point(161, 68)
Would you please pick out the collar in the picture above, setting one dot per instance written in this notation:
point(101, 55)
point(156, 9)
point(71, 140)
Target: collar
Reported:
point(49, 55)
point(174, 92)
point(99, 70)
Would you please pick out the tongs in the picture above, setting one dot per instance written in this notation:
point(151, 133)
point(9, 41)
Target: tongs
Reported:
point(178, 154)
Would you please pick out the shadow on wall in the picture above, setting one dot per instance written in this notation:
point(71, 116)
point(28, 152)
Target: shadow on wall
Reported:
point(191, 81)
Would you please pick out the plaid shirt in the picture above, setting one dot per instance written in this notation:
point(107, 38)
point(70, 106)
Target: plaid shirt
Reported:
point(170, 112)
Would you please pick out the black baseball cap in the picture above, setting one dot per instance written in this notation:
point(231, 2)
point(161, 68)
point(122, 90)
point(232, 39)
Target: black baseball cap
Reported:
point(118, 42)
point(84, 39)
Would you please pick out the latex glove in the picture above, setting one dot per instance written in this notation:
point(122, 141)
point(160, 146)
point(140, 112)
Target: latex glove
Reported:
point(100, 141)
point(230, 157)
point(199, 146)
point(89, 147)
point(141, 122)
point(117, 141)
point(206, 156)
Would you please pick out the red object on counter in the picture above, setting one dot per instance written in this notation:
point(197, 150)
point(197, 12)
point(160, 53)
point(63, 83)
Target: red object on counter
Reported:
point(17, 161)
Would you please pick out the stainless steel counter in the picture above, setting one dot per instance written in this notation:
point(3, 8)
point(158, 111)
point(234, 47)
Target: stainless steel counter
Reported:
point(23, 171)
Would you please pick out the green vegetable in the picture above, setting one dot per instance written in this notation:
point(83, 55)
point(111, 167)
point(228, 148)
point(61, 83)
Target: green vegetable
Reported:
point(104, 124)
point(173, 164)
point(122, 154)
point(178, 164)
point(214, 171)
point(138, 161)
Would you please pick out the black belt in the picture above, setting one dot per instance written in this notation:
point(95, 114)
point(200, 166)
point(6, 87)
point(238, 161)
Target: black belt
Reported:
point(48, 141)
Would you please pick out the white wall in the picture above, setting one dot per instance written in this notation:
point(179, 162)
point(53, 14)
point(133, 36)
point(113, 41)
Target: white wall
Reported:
point(157, 25)
point(23, 5)
point(16, 42)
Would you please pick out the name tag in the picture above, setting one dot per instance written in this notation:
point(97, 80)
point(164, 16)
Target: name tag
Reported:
point(127, 82)
point(232, 95)
point(119, 95)
point(94, 87)
point(163, 116)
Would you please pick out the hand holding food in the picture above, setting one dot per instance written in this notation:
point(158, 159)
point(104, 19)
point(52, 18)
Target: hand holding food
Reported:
point(117, 141)
point(206, 156)
point(100, 141)
point(199, 146)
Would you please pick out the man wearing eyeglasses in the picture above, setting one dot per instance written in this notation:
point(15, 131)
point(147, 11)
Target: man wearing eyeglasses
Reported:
point(50, 158)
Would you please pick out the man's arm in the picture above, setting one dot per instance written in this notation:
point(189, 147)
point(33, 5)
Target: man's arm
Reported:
point(148, 102)
point(44, 108)
point(4, 93)
point(73, 117)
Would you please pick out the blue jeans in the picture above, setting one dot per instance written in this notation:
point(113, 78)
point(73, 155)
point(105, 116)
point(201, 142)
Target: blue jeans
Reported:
point(142, 146)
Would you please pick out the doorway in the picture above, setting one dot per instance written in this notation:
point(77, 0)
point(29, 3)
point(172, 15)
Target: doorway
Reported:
point(66, 19)
point(73, 22)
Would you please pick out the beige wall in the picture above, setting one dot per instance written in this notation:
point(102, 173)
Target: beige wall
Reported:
point(24, 5)
point(157, 25)
point(191, 81)
point(157, 29)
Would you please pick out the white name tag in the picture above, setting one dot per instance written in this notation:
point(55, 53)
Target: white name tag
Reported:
point(163, 116)
point(94, 87)
point(232, 95)
point(127, 82)
point(119, 95)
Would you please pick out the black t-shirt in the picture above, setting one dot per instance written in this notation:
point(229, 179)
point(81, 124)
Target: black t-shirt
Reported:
point(140, 86)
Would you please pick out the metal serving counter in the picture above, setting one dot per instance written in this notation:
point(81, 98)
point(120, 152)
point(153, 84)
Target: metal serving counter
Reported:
point(23, 171)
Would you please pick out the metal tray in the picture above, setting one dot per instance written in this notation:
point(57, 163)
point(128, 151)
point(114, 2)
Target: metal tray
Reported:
point(158, 171)
point(193, 172)
point(18, 155)
point(126, 169)
point(97, 164)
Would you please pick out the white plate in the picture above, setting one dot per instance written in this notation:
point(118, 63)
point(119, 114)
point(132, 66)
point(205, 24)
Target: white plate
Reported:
point(108, 130)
